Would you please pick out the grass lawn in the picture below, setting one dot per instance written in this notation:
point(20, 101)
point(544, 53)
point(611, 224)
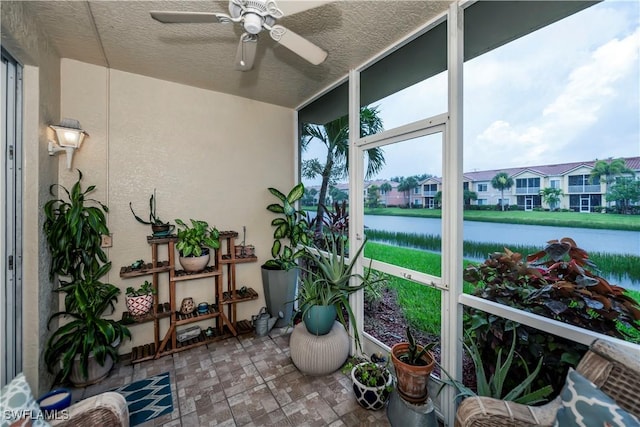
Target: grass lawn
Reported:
point(420, 304)
point(558, 219)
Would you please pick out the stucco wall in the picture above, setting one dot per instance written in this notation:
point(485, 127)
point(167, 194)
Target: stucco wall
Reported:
point(41, 106)
point(211, 156)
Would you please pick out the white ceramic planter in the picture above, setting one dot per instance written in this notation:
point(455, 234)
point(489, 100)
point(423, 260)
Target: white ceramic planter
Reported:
point(193, 264)
point(139, 305)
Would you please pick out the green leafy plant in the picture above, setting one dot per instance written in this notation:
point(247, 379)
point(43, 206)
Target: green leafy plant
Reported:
point(145, 289)
point(291, 225)
point(73, 228)
point(193, 240)
point(327, 280)
point(557, 282)
point(373, 375)
point(153, 217)
point(494, 386)
point(415, 352)
point(87, 333)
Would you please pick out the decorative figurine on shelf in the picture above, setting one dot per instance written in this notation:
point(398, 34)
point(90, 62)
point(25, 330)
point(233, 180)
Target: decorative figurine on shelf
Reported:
point(187, 306)
point(137, 265)
point(209, 332)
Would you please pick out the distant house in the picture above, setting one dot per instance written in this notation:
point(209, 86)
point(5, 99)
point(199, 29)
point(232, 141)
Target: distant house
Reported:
point(579, 194)
point(573, 179)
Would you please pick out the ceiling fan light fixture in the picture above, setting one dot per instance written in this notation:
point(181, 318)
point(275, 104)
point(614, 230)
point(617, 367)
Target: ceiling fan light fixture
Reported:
point(252, 23)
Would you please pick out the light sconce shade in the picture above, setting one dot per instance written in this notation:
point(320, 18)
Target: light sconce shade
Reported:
point(69, 136)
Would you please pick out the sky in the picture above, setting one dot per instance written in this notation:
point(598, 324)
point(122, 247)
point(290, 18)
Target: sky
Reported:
point(566, 93)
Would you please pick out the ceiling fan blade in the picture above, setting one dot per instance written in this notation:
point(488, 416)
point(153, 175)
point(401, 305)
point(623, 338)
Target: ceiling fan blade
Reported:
point(298, 44)
point(172, 17)
point(246, 52)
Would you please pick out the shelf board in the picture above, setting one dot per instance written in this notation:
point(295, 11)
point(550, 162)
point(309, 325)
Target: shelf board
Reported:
point(163, 239)
point(143, 352)
point(146, 269)
point(210, 271)
point(228, 234)
point(183, 319)
point(234, 296)
point(226, 259)
point(162, 311)
point(244, 327)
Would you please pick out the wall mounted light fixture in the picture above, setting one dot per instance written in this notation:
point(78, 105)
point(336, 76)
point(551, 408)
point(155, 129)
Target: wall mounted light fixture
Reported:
point(69, 136)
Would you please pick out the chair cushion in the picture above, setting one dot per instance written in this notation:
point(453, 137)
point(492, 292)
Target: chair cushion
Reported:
point(17, 402)
point(585, 405)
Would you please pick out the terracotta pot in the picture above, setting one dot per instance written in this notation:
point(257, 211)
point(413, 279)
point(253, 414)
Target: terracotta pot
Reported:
point(412, 379)
point(193, 264)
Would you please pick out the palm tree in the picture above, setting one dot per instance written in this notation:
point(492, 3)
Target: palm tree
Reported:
point(468, 196)
point(335, 136)
point(385, 188)
point(502, 181)
point(606, 172)
point(407, 185)
point(551, 196)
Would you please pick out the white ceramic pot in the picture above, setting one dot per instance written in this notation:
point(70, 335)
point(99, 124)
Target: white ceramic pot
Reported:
point(193, 264)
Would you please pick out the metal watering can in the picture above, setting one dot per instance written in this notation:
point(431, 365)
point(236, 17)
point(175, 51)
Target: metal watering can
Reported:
point(263, 322)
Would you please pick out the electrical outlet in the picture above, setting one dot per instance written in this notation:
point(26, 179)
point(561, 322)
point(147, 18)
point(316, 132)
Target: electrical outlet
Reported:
point(107, 241)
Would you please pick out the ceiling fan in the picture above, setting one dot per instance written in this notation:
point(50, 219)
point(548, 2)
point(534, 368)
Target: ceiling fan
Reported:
point(254, 15)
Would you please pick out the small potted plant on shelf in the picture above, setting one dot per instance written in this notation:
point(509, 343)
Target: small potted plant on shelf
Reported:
point(372, 384)
point(159, 228)
point(413, 364)
point(139, 301)
point(194, 243)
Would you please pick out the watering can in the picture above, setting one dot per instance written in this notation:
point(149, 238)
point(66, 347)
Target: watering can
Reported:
point(263, 322)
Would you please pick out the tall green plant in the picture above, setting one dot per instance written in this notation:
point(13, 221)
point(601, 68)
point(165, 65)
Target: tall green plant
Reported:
point(74, 227)
point(291, 225)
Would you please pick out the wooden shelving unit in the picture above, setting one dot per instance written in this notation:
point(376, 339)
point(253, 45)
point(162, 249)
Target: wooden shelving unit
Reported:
point(226, 324)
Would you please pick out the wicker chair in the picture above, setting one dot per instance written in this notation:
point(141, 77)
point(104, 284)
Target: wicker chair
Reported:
point(106, 409)
point(616, 371)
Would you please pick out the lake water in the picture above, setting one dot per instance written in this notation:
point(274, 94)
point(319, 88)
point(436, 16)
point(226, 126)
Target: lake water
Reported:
point(591, 240)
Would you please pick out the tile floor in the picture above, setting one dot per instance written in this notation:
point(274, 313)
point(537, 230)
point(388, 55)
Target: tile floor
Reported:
point(245, 381)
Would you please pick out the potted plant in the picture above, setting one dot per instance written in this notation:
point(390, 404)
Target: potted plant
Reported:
point(372, 384)
point(194, 243)
point(279, 274)
point(139, 301)
point(159, 228)
point(82, 350)
point(326, 287)
point(413, 364)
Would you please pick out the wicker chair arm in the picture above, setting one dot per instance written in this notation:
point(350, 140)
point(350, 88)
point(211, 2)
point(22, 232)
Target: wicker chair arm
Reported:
point(106, 409)
point(485, 411)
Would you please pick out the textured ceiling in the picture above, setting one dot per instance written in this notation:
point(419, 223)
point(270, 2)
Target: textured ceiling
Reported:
point(122, 36)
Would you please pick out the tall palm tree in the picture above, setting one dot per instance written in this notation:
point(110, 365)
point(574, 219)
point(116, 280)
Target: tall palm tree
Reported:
point(385, 188)
point(551, 196)
point(606, 171)
point(335, 136)
point(407, 185)
point(502, 181)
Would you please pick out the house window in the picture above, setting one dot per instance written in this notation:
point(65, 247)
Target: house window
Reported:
point(482, 188)
point(482, 202)
point(554, 183)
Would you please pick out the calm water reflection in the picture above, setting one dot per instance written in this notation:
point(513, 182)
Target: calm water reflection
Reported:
point(607, 241)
